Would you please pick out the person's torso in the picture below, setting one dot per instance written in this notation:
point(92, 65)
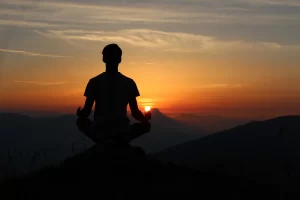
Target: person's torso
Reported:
point(111, 93)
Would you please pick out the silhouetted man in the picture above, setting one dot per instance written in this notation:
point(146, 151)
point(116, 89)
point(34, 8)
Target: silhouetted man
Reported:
point(112, 92)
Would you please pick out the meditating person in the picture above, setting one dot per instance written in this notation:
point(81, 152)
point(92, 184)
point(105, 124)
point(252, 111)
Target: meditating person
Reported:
point(112, 92)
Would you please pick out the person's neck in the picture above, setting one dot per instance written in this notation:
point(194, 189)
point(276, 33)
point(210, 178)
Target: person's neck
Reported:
point(111, 69)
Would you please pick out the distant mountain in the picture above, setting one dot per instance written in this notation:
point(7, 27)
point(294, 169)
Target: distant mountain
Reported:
point(210, 123)
point(126, 172)
point(263, 150)
point(19, 130)
point(27, 142)
point(32, 141)
point(166, 132)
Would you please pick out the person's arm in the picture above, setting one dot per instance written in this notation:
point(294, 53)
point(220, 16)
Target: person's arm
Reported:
point(87, 109)
point(89, 101)
point(135, 111)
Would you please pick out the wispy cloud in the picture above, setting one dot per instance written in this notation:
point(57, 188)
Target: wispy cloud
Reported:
point(276, 2)
point(221, 85)
point(150, 63)
point(23, 23)
point(169, 41)
point(69, 13)
point(86, 14)
point(40, 83)
point(26, 53)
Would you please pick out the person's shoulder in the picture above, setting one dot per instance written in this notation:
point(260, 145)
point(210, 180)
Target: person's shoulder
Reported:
point(126, 78)
point(98, 77)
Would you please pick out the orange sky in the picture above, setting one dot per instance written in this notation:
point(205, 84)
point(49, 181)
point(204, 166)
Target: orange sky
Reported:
point(179, 65)
point(179, 85)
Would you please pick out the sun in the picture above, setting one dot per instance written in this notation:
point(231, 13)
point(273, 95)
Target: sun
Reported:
point(147, 108)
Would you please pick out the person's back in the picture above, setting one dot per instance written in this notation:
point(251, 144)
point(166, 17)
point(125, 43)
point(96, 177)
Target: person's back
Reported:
point(112, 92)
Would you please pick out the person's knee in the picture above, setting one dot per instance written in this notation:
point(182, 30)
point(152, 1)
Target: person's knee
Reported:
point(83, 124)
point(148, 127)
point(145, 127)
point(83, 121)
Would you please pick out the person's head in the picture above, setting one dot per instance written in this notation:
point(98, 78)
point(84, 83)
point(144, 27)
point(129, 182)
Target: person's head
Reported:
point(112, 54)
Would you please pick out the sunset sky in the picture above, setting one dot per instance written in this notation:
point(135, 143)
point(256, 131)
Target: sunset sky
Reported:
point(228, 57)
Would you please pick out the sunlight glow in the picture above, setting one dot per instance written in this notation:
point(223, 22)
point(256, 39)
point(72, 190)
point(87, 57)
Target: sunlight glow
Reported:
point(147, 108)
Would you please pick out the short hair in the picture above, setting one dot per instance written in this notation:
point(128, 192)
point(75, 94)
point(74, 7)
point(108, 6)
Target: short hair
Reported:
point(112, 50)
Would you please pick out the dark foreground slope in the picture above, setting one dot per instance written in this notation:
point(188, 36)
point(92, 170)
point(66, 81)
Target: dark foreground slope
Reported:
point(126, 172)
point(265, 151)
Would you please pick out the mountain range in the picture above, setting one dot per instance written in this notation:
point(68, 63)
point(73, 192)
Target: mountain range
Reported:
point(166, 132)
point(210, 123)
point(267, 151)
point(259, 158)
point(30, 141)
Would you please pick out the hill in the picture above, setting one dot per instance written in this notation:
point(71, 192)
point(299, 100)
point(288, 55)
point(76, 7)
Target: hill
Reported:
point(210, 123)
point(123, 172)
point(27, 143)
point(166, 132)
point(265, 151)
point(20, 130)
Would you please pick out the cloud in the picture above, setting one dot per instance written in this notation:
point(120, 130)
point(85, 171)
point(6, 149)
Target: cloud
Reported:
point(40, 83)
point(169, 41)
point(149, 63)
point(276, 2)
point(222, 85)
point(23, 23)
point(88, 14)
point(69, 13)
point(33, 54)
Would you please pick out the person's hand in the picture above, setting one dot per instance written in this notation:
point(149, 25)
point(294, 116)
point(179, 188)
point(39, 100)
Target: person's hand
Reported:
point(78, 113)
point(148, 115)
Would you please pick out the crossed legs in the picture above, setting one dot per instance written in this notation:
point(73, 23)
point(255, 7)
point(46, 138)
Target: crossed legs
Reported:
point(136, 130)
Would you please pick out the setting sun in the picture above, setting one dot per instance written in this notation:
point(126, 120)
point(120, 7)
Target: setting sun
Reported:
point(147, 108)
